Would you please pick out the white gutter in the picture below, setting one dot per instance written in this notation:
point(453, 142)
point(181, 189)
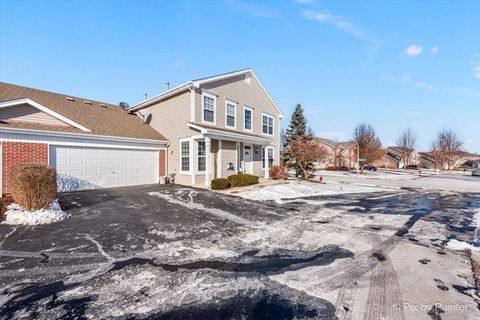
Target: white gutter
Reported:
point(230, 135)
point(160, 97)
point(80, 135)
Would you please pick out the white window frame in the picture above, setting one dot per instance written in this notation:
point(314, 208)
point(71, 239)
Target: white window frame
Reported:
point(273, 124)
point(251, 120)
point(197, 157)
point(229, 102)
point(205, 94)
point(180, 141)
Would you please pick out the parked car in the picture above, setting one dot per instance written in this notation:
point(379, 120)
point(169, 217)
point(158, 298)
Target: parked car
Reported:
point(412, 167)
point(476, 173)
point(370, 168)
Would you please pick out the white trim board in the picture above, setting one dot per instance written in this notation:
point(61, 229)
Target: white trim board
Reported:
point(36, 105)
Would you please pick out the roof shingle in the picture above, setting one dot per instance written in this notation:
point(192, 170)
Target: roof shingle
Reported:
point(101, 118)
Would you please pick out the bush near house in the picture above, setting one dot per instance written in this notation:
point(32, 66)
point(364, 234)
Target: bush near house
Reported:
point(220, 184)
point(242, 180)
point(279, 172)
point(338, 169)
point(32, 186)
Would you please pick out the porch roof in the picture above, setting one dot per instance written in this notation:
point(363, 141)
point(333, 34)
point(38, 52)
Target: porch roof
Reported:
point(232, 135)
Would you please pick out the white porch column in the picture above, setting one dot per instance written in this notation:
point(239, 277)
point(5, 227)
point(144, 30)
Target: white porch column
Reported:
point(193, 159)
point(267, 169)
point(219, 159)
point(208, 163)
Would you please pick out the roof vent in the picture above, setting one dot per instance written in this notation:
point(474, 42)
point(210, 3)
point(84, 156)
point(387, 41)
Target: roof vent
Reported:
point(124, 105)
point(87, 102)
point(69, 99)
point(103, 105)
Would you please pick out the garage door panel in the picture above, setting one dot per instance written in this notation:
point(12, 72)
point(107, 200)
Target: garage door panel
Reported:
point(90, 168)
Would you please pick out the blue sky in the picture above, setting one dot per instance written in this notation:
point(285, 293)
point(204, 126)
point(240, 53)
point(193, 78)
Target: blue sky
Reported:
point(394, 64)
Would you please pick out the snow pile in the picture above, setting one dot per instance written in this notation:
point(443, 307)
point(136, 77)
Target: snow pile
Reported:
point(18, 215)
point(296, 189)
point(456, 245)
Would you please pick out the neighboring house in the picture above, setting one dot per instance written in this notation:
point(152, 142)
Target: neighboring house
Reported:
point(91, 144)
point(216, 126)
point(427, 160)
point(394, 157)
point(341, 154)
point(462, 159)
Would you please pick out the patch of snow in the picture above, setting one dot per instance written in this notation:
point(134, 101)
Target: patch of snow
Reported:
point(198, 206)
point(15, 214)
point(297, 189)
point(456, 245)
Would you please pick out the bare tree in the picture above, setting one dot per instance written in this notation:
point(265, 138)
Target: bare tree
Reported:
point(369, 145)
point(304, 153)
point(446, 149)
point(406, 142)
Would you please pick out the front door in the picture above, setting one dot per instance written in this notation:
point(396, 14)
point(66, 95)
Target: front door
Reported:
point(247, 159)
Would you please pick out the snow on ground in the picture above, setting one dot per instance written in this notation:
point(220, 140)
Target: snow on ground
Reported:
point(15, 214)
point(296, 189)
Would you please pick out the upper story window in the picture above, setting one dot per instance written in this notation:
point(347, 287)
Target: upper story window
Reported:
point(267, 124)
point(184, 155)
point(230, 113)
point(208, 108)
point(247, 118)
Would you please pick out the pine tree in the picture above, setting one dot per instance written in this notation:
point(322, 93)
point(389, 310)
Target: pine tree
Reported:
point(296, 129)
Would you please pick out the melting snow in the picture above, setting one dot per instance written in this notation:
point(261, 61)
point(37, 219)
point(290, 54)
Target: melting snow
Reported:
point(296, 189)
point(18, 215)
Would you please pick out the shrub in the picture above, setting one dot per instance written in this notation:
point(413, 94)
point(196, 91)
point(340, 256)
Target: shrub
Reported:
point(242, 180)
point(32, 186)
point(279, 172)
point(220, 184)
point(343, 168)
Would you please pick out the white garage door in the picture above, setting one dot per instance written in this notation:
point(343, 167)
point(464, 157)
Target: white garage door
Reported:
point(81, 168)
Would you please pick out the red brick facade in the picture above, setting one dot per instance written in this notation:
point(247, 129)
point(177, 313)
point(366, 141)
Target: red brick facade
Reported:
point(21, 152)
point(163, 163)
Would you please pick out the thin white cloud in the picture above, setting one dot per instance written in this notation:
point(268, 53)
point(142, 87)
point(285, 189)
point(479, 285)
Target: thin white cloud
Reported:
point(409, 81)
point(338, 22)
point(476, 65)
point(344, 25)
point(179, 63)
point(413, 50)
point(333, 135)
point(434, 49)
point(468, 141)
point(253, 9)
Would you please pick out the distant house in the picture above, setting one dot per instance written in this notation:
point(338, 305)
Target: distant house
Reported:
point(396, 158)
point(341, 154)
point(462, 159)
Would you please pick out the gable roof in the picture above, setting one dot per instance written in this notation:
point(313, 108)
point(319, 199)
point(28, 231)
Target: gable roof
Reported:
point(98, 118)
point(197, 83)
point(343, 144)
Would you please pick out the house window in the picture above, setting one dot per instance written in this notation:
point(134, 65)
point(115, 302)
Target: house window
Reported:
point(247, 118)
point(185, 156)
point(202, 163)
point(267, 124)
point(230, 114)
point(208, 107)
point(270, 157)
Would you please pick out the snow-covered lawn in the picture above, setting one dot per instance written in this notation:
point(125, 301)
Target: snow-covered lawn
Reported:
point(296, 189)
point(15, 214)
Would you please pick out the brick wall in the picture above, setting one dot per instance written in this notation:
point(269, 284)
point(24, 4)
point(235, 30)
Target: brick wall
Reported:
point(21, 152)
point(163, 163)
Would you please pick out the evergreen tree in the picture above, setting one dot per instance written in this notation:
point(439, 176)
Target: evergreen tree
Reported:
point(297, 127)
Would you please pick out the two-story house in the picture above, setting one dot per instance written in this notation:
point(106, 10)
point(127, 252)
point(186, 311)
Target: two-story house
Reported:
point(216, 126)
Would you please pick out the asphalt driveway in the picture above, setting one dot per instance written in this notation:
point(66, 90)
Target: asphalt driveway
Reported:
point(173, 252)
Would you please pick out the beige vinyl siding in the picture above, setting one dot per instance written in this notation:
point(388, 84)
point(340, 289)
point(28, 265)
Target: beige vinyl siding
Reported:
point(229, 154)
point(28, 114)
point(257, 160)
point(236, 90)
point(170, 117)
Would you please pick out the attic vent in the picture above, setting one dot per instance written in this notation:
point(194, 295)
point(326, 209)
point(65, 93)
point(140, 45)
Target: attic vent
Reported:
point(103, 105)
point(87, 102)
point(69, 99)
